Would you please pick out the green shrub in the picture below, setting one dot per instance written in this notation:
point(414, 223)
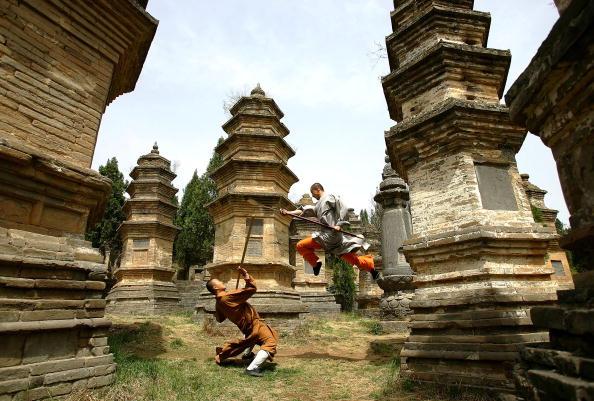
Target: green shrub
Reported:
point(343, 276)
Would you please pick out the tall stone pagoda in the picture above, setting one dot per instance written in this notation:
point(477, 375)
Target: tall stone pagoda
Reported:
point(313, 289)
point(478, 255)
point(254, 178)
point(145, 276)
point(62, 64)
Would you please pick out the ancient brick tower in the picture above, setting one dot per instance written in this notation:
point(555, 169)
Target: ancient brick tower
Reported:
point(478, 256)
point(144, 277)
point(62, 64)
point(255, 172)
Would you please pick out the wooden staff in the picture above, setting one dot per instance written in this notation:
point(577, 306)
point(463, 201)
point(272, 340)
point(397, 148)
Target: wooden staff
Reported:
point(247, 240)
point(254, 202)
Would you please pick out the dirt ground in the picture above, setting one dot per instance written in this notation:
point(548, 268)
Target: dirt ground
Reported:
point(172, 358)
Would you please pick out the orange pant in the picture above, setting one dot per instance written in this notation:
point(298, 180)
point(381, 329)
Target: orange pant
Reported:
point(306, 248)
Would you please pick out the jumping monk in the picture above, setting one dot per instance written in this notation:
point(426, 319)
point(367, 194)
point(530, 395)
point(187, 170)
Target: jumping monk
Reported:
point(330, 211)
point(233, 305)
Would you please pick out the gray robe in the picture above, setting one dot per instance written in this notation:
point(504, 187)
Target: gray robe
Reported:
point(331, 211)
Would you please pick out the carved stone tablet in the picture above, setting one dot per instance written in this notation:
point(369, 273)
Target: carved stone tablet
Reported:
point(495, 187)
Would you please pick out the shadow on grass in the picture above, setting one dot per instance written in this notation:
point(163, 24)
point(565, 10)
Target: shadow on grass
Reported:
point(323, 355)
point(141, 340)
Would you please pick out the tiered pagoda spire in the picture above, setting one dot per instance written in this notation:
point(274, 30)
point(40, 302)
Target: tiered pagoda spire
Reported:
point(145, 274)
point(252, 183)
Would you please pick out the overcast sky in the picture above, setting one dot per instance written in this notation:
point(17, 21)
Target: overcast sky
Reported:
point(315, 58)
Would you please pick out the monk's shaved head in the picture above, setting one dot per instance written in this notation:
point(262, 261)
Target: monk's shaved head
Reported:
point(317, 186)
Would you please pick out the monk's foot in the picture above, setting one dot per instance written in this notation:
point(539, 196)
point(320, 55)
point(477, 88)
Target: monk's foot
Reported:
point(376, 275)
point(218, 360)
point(316, 268)
point(248, 357)
point(254, 372)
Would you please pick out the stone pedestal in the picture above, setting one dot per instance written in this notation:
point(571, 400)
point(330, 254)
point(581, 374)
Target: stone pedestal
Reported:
point(397, 275)
point(61, 65)
point(478, 256)
point(255, 172)
point(553, 98)
point(313, 289)
point(145, 275)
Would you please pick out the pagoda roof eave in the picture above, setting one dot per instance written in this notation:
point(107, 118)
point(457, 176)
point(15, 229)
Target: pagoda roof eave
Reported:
point(245, 99)
point(257, 161)
point(261, 195)
point(407, 70)
point(254, 135)
point(227, 125)
point(458, 124)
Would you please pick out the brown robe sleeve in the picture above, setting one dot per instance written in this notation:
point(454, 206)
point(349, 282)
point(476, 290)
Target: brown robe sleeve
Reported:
point(242, 295)
point(219, 315)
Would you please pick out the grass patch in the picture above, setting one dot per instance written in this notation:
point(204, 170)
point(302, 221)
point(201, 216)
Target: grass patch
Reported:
point(373, 327)
point(171, 359)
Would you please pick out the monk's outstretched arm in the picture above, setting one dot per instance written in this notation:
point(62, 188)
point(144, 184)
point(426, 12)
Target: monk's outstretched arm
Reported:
point(242, 295)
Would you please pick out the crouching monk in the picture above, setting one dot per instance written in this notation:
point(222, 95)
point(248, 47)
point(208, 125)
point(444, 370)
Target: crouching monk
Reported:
point(233, 305)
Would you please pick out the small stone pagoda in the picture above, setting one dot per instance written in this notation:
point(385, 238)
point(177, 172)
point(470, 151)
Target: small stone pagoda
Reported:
point(556, 258)
point(253, 184)
point(313, 289)
point(145, 276)
point(477, 254)
point(397, 277)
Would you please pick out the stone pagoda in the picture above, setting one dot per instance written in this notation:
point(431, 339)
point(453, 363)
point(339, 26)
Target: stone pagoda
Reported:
point(397, 277)
point(62, 64)
point(553, 98)
point(556, 257)
point(253, 183)
point(313, 289)
point(145, 276)
point(477, 254)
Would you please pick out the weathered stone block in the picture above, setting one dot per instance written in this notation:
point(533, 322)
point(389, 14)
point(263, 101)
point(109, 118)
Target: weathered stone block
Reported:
point(11, 352)
point(12, 386)
point(101, 381)
point(66, 376)
point(41, 346)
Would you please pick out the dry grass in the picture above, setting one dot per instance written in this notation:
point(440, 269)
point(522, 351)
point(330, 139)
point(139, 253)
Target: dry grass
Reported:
point(171, 359)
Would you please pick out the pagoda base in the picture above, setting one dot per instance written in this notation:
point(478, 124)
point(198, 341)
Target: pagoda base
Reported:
point(53, 334)
point(395, 302)
point(561, 370)
point(471, 307)
point(320, 303)
point(368, 305)
point(318, 300)
point(144, 298)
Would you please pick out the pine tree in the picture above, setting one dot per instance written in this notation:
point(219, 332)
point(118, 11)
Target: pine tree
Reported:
point(364, 217)
point(375, 216)
point(194, 243)
point(104, 235)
